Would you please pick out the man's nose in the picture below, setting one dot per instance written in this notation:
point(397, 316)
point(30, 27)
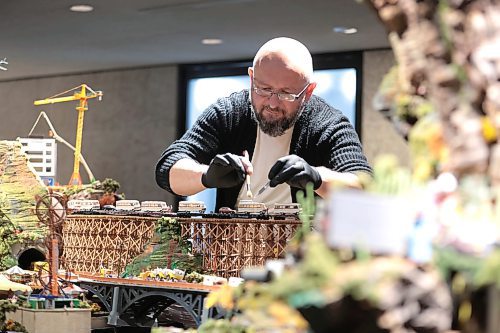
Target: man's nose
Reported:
point(274, 101)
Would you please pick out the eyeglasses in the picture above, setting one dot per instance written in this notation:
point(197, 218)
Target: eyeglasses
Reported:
point(282, 96)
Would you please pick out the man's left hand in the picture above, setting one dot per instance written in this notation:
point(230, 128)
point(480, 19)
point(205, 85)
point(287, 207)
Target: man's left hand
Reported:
point(294, 171)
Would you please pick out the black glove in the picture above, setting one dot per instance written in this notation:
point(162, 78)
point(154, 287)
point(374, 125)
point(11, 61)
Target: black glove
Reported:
point(225, 170)
point(295, 172)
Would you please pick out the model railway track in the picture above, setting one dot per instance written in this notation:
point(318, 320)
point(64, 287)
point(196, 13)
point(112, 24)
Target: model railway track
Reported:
point(86, 277)
point(217, 216)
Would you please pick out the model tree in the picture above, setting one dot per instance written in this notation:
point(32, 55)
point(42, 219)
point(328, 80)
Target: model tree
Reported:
point(109, 187)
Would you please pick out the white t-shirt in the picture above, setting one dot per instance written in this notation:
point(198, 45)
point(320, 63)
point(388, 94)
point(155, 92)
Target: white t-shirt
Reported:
point(267, 151)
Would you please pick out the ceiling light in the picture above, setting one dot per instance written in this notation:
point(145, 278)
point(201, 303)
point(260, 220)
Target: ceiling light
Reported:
point(211, 41)
point(81, 8)
point(345, 30)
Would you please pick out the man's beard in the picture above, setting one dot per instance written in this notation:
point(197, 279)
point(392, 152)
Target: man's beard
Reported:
point(275, 127)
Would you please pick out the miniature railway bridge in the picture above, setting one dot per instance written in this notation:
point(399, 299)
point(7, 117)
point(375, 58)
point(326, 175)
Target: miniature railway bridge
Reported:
point(139, 303)
point(226, 245)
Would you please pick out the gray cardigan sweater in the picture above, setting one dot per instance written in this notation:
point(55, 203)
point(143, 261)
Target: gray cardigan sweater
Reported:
point(322, 136)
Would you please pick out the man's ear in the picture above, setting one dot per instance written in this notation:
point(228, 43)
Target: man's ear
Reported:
point(250, 72)
point(310, 90)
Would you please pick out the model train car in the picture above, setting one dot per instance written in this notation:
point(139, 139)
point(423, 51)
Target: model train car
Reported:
point(192, 206)
point(285, 209)
point(252, 207)
point(130, 205)
point(155, 206)
point(85, 205)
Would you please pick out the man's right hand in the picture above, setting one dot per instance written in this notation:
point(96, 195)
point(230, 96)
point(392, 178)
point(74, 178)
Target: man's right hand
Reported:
point(225, 170)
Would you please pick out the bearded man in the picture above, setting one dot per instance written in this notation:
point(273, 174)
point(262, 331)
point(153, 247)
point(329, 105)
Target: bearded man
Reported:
point(292, 137)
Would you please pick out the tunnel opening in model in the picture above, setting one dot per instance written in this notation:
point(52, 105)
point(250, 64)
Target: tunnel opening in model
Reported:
point(28, 257)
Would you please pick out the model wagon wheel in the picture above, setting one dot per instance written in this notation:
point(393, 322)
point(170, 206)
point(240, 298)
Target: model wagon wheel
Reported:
point(50, 209)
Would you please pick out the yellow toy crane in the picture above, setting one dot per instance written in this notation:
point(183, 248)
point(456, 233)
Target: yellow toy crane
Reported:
point(81, 93)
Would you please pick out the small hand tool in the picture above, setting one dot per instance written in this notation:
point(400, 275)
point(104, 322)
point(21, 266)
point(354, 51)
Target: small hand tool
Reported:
point(249, 191)
point(263, 188)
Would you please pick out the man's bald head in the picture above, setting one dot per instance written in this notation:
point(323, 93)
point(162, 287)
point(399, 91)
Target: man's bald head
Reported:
point(281, 83)
point(288, 52)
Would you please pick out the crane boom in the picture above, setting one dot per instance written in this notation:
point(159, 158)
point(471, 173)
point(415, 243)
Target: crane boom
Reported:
point(82, 96)
point(57, 100)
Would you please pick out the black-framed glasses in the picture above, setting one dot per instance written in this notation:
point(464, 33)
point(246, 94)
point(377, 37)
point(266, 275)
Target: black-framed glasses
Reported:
point(282, 96)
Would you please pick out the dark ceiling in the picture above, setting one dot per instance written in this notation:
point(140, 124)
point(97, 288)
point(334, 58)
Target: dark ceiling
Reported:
point(43, 37)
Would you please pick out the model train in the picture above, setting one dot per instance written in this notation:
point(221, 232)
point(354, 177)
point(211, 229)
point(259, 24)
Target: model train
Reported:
point(79, 205)
point(245, 209)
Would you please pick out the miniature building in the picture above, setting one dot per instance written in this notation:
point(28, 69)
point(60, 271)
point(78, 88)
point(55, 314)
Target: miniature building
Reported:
point(42, 155)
